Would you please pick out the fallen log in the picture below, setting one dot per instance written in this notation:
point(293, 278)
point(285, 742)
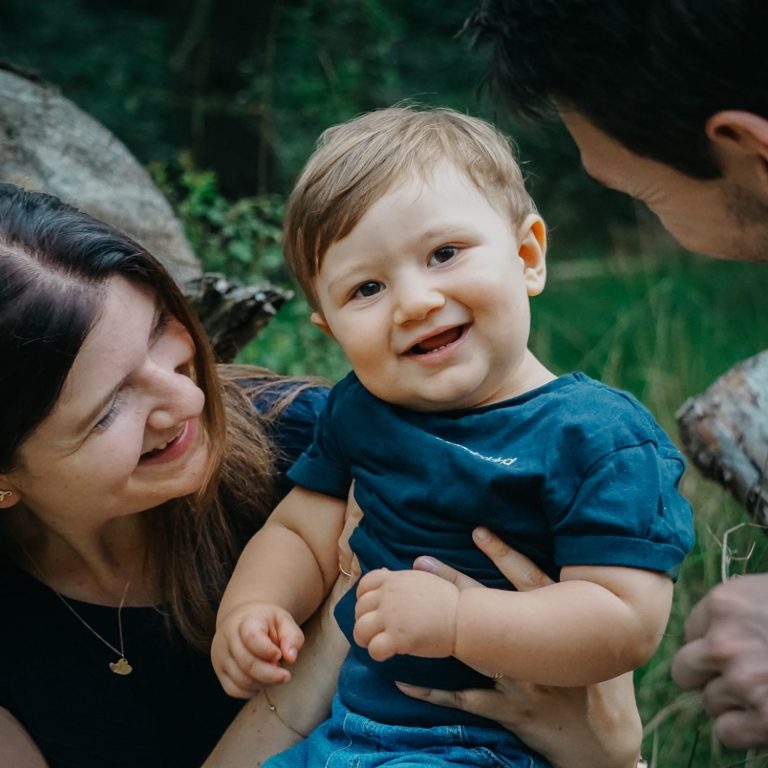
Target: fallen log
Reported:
point(725, 433)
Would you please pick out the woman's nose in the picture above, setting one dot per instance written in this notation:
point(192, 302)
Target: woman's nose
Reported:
point(415, 301)
point(176, 398)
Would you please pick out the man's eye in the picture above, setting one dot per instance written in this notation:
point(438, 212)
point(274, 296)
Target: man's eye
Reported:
point(371, 288)
point(443, 254)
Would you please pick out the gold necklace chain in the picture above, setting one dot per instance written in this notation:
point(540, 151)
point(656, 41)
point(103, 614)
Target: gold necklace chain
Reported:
point(119, 667)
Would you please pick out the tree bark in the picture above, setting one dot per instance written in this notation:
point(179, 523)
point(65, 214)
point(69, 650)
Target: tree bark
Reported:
point(47, 144)
point(725, 433)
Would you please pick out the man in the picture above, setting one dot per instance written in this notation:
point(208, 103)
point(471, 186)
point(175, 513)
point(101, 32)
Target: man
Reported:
point(667, 101)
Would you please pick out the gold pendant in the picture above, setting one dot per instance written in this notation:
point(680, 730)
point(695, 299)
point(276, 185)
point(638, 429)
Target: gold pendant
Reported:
point(121, 666)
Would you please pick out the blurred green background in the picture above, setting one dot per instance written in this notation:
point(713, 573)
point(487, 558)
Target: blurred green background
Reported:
point(223, 100)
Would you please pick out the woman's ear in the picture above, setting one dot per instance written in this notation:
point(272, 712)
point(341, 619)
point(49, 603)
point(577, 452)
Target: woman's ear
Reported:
point(9, 496)
point(317, 319)
point(740, 142)
point(532, 249)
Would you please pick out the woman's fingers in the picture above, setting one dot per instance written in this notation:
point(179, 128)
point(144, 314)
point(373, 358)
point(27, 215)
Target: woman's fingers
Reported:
point(520, 570)
point(485, 702)
point(524, 574)
point(348, 564)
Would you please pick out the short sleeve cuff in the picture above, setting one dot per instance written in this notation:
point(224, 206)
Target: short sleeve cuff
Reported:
point(662, 557)
point(320, 477)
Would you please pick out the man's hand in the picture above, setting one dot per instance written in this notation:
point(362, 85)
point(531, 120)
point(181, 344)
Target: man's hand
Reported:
point(249, 644)
point(726, 658)
point(405, 612)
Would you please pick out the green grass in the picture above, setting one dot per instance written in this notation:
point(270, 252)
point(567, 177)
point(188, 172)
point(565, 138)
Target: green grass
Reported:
point(663, 328)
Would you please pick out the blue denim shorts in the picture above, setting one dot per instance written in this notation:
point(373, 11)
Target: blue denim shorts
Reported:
point(348, 740)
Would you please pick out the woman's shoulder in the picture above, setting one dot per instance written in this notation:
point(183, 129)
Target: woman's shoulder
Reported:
point(288, 406)
point(276, 396)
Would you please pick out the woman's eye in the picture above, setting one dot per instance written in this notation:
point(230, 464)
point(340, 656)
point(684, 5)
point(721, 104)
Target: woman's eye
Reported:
point(371, 288)
point(443, 254)
point(108, 417)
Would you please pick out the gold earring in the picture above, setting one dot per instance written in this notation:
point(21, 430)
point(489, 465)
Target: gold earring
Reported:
point(4, 495)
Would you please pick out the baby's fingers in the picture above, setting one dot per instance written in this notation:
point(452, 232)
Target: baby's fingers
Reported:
point(382, 647)
point(368, 603)
point(291, 639)
point(370, 632)
point(372, 580)
point(255, 642)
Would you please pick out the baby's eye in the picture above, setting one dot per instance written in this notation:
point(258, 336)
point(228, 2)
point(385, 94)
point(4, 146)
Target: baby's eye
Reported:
point(443, 254)
point(371, 288)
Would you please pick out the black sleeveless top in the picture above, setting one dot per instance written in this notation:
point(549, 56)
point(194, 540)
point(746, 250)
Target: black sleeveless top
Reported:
point(55, 679)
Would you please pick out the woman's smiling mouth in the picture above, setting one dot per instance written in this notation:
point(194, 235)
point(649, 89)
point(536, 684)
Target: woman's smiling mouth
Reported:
point(174, 447)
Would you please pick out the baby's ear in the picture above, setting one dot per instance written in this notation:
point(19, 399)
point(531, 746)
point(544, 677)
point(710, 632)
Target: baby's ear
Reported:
point(532, 249)
point(318, 321)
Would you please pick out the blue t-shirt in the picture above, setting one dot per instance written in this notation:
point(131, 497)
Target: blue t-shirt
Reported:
point(571, 473)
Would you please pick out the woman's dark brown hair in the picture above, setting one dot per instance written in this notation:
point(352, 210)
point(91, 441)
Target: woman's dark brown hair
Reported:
point(55, 262)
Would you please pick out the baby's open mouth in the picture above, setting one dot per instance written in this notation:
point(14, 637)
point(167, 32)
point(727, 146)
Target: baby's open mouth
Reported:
point(438, 341)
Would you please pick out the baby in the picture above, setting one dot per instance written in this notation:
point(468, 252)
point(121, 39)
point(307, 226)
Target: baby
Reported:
point(418, 248)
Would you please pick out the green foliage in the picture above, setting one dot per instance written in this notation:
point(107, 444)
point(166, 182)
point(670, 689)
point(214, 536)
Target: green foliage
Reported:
point(242, 239)
point(664, 327)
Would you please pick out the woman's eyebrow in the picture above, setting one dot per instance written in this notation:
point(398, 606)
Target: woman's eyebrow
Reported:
point(158, 323)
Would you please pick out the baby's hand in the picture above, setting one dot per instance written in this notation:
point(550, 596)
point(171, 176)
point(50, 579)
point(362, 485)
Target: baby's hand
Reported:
point(249, 644)
point(405, 612)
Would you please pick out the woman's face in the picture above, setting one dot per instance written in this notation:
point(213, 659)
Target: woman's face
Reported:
point(126, 433)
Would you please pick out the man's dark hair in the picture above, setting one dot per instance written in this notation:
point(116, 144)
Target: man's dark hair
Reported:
point(647, 72)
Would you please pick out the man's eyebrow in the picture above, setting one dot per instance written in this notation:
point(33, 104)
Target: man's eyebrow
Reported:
point(92, 415)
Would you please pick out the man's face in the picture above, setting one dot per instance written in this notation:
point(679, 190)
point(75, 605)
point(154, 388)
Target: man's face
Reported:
point(716, 217)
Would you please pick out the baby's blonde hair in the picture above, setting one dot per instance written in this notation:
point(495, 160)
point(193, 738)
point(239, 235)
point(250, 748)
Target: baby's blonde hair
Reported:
point(359, 161)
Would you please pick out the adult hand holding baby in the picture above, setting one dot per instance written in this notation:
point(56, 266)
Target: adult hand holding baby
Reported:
point(598, 726)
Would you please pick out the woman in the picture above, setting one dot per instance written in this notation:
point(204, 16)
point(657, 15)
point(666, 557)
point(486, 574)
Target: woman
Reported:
point(132, 470)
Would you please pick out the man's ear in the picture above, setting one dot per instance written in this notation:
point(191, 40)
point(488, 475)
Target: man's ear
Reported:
point(317, 319)
point(740, 141)
point(532, 237)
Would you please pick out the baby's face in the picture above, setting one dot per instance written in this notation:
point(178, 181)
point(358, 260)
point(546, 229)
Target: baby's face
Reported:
point(428, 295)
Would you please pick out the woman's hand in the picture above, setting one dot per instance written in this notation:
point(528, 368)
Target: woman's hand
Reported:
point(593, 727)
